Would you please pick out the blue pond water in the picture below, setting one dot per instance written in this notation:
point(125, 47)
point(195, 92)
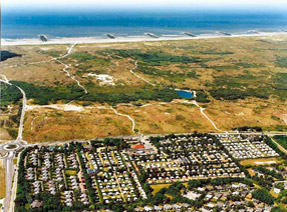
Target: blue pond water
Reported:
point(185, 94)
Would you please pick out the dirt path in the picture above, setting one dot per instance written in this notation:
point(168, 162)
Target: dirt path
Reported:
point(130, 118)
point(202, 112)
point(57, 59)
point(71, 76)
point(132, 71)
point(32, 122)
point(67, 67)
point(4, 79)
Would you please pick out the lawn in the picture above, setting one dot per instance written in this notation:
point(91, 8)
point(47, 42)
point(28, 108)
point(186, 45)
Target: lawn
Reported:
point(259, 161)
point(282, 140)
point(70, 172)
point(158, 187)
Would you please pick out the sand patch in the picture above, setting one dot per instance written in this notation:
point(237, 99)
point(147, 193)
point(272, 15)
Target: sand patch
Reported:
point(265, 162)
point(104, 79)
point(56, 107)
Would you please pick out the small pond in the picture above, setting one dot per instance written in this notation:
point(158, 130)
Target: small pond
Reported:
point(185, 94)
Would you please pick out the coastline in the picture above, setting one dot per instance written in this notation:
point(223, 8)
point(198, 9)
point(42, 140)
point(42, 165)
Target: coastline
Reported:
point(87, 40)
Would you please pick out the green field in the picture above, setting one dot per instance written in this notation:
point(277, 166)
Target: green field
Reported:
point(282, 140)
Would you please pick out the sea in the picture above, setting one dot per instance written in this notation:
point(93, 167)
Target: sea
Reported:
point(29, 24)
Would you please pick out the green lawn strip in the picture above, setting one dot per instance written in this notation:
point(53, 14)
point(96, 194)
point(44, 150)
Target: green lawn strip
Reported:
point(282, 140)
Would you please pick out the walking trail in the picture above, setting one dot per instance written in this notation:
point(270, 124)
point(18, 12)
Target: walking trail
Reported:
point(202, 112)
point(132, 71)
point(58, 60)
point(130, 118)
point(67, 67)
point(135, 62)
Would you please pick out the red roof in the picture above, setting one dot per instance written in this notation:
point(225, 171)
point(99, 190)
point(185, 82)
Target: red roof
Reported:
point(139, 146)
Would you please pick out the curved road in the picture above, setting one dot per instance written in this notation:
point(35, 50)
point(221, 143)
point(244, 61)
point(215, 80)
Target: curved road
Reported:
point(8, 159)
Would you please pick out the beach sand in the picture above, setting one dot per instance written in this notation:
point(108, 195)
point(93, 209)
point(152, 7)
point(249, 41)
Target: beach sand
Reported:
point(79, 40)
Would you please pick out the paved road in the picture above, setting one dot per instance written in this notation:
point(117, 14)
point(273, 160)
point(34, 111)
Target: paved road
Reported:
point(9, 167)
point(8, 160)
point(140, 136)
point(21, 124)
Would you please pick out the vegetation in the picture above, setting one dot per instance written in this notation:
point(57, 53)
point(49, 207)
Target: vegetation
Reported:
point(248, 128)
point(269, 172)
point(44, 95)
point(281, 61)
point(214, 52)
point(263, 195)
point(88, 181)
point(22, 188)
point(155, 58)
point(280, 81)
point(120, 143)
point(89, 58)
point(123, 94)
point(268, 141)
point(234, 94)
point(172, 76)
point(40, 94)
point(5, 55)
point(9, 94)
point(282, 140)
point(235, 76)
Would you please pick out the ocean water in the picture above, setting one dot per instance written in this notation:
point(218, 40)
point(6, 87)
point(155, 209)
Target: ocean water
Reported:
point(19, 24)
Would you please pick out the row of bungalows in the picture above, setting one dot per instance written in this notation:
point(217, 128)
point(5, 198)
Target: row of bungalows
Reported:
point(165, 207)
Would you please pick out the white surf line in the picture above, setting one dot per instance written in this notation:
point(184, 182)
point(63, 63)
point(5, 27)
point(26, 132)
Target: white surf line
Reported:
point(132, 71)
point(202, 112)
point(130, 118)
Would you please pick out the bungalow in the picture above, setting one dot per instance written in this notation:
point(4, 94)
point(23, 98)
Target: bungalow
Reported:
point(36, 204)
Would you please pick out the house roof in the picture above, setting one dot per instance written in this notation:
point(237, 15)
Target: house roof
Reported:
point(139, 146)
point(36, 204)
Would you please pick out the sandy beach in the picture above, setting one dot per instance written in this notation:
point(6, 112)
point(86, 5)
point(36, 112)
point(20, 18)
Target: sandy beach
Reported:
point(85, 40)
